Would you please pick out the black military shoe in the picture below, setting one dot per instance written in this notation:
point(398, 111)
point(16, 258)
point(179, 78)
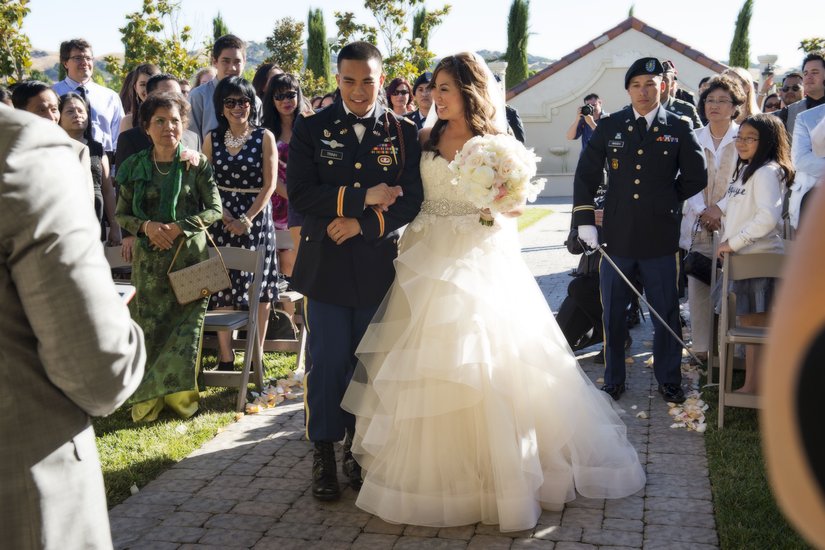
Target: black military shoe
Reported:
point(614, 390)
point(324, 476)
point(350, 466)
point(672, 393)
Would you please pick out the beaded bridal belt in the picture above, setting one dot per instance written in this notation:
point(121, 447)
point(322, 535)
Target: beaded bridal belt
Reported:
point(445, 207)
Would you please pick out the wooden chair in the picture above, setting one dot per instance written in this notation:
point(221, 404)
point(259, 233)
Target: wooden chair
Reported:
point(251, 261)
point(713, 345)
point(737, 267)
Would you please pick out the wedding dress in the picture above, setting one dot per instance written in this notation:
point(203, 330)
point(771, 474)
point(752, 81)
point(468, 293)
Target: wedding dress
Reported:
point(469, 404)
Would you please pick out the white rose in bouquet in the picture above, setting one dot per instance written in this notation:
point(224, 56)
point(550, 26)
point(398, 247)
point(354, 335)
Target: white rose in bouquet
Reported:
point(496, 172)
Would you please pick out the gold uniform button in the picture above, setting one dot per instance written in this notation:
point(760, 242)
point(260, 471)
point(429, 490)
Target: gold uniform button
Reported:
point(640, 151)
point(665, 152)
point(306, 238)
point(357, 165)
point(636, 196)
point(356, 185)
point(330, 162)
point(636, 181)
point(638, 167)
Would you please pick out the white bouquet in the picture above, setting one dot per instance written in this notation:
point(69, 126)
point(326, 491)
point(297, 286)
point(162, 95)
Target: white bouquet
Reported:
point(496, 173)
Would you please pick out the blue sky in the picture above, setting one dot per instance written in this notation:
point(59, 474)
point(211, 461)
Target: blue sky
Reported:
point(557, 26)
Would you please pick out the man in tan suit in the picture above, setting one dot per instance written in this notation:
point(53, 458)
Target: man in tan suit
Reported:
point(68, 348)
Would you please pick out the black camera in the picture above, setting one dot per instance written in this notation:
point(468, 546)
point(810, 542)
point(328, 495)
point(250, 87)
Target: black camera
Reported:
point(768, 71)
point(587, 109)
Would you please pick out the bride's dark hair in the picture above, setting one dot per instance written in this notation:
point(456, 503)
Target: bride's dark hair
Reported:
point(471, 79)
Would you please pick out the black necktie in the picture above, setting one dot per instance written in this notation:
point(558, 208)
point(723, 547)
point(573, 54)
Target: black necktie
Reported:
point(83, 92)
point(367, 121)
point(641, 124)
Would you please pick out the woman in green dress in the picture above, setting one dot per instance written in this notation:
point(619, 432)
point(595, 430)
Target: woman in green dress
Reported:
point(164, 199)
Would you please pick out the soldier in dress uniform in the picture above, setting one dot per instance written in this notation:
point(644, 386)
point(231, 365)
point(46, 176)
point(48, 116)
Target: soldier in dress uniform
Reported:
point(654, 163)
point(421, 94)
point(353, 173)
point(671, 102)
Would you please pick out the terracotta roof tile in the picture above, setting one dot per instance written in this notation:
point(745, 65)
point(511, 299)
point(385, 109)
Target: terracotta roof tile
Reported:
point(624, 26)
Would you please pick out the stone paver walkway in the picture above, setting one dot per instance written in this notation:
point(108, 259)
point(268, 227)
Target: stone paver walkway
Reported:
point(250, 486)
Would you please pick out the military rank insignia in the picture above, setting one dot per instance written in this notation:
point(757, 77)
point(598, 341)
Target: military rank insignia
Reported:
point(384, 149)
point(668, 139)
point(614, 164)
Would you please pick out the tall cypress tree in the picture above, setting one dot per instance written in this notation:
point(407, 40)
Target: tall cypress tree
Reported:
point(740, 45)
point(317, 47)
point(418, 30)
point(516, 56)
point(219, 28)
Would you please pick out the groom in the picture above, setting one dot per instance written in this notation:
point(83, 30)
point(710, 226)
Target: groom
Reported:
point(353, 173)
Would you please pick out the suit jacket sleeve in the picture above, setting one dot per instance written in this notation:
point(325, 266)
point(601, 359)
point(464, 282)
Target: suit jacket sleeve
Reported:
point(196, 116)
point(374, 223)
point(804, 159)
point(86, 341)
point(125, 148)
point(693, 168)
point(589, 175)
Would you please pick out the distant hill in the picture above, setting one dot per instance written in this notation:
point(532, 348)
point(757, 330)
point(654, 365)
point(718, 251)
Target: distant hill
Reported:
point(534, 62)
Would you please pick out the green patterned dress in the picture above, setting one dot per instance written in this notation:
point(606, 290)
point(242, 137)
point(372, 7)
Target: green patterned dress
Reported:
point(172, 331)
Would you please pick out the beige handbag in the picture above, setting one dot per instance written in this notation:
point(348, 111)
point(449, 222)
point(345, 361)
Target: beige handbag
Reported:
point(200, 280)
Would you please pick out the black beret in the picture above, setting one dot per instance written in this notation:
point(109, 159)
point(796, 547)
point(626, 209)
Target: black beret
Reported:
point(645, 65)
point(423, 78)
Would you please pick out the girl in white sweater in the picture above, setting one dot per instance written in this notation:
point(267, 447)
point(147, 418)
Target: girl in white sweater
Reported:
point(752, 210)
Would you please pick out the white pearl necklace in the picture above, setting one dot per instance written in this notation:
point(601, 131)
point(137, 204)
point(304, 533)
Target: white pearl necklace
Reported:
point(235, 142)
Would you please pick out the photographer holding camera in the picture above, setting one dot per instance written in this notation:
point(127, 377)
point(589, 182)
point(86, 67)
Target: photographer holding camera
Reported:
point(587, 117)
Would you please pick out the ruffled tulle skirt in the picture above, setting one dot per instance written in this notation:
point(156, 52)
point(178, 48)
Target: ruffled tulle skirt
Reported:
point(470, 405)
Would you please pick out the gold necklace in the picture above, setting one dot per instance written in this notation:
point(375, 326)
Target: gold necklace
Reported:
point(155, 160)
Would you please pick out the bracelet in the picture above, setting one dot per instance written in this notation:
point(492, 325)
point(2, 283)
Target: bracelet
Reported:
point(143, 226)
point(246, 222)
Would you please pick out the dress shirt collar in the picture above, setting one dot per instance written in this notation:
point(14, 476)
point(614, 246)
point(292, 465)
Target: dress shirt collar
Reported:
point(649, 117)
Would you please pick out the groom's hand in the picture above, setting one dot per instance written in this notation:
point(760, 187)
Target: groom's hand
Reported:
point(341, 229)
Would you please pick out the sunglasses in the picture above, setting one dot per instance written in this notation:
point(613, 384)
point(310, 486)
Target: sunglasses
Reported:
point(401, 92)
point(285, 95)
point(232, 102)
point(795, 88)
point(773, 105)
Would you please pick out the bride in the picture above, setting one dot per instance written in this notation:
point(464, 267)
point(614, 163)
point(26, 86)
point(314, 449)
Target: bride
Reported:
point(470, 407)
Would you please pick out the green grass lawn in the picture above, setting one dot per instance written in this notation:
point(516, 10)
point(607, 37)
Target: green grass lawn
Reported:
point(531, 215)
point(138, 453)
point(747, 515)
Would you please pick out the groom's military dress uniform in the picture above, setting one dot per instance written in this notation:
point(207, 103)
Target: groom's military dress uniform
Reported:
point(650, 173)
point(328, 175)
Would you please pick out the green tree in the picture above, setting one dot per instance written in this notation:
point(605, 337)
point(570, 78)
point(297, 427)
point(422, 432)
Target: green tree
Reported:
point(404, 53)
point(284, 45)
point(808, 45)
point(517, 34)
point(740, 45)
point(15, 48)
point(219, 29)
point(630, 11)
point(317, 46)
point(152, 36)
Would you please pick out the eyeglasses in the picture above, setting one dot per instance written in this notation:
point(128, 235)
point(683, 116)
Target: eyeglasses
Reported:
point(401, 92)
point(82, 58)
point(232, 102)
point(746, 140)
point(795, 88)
point(285, 95)
point(712, 101)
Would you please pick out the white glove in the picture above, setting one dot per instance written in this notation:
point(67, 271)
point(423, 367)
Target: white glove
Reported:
point(589, 235)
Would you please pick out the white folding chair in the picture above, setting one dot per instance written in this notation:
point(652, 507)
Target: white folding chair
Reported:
point(713, 345)
point(737, 267)
point(251, 261)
